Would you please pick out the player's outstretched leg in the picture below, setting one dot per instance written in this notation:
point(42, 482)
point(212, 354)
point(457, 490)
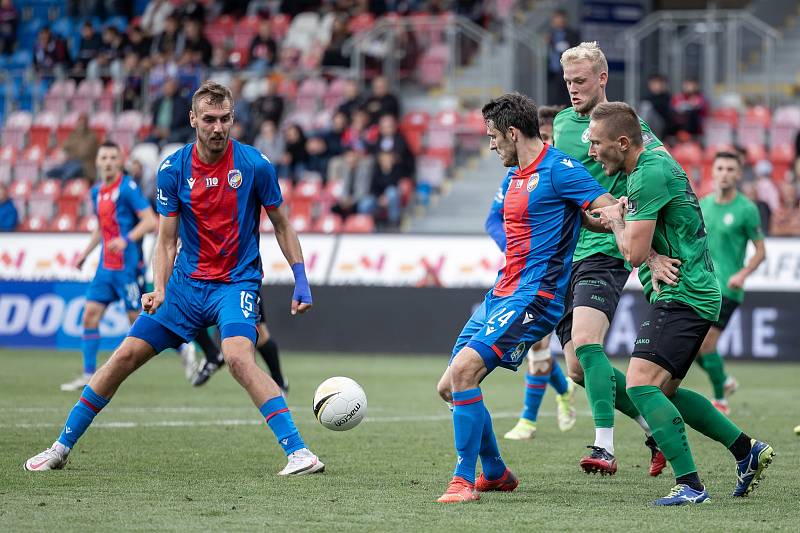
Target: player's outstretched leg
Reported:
point(668, 430)
point(131, 354)
point(495, 475)
point(536, 379)
point(466, 371)
point(268, 349)
point(565, 397)
point(710, 360)
point(238, 348)
point(752, 456)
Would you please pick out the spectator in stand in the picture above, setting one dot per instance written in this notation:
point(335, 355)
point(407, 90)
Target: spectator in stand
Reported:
point(269, 142)
point(50, 51)
point(333, 137)
point(194, 48)
point(263, 49)
point(359, 135)
point(384, 191)
point(163, 67)
point(9, 18)
point(295, 159)
point(8, 211)
point(786, 219)
point(765, 186)
point(90, 47)
point(655, 108)
point(166, 42)
point(170, 112)
point(353, 171)
point(334, 56)
point(80, 149)
point(391, 140)
point(748, 174)
point(109, 60)
point(381, 101)
point(155, 15)
point(561, 38)
point(689, 108)
point(318, 157)
point(749, 190)
point(352, 99)
point(138, 42)
point(191, 10)
point(268, 107)
point(243, 113)
point(132, 71)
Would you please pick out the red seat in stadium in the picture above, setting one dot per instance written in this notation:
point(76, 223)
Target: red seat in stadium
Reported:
point(20, 190)
point(87, 224)
point(29, 165)
point(49, 189)
point(335, 94)
point(279, 26)
point(58, 96)
point(712, 149)
point(759, 114)
point(755, 153)
point(359, 224)
point(726, 114)
point(63, 222)
point(413, 126)
point(687, 154)
point(301, 222)
point(304, 195)
point(8, 156)
point(718, 132)
point(34, 223)
point(361, 23)
point(330, 223)
point(781, 153)
point(406, 187)
point(16, 128)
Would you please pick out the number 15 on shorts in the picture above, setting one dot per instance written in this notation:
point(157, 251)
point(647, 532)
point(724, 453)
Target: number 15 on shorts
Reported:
point(248, 303)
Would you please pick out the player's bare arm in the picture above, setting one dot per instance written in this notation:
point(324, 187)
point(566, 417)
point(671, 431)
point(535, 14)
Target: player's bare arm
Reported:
point(147, 224)
point(737, 280)
point(94, 240)
point(290, 246)
point(163, 262)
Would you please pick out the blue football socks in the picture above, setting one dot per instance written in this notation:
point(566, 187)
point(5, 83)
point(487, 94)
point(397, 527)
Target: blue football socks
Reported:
point(468, 422)
point(535, 387)
point(492, 463)
point(89, 404)
point(277, 415)
point(557, 378)
point(90, 343)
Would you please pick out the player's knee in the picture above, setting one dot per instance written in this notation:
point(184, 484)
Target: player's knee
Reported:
point(445, 390)
point(91, 317)
point(238, 364)
point(586, 336)
point(541, 368)
point(465, 372)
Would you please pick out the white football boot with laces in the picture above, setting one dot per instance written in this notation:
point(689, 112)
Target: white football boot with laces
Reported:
point(302, 462)
point(53, 458)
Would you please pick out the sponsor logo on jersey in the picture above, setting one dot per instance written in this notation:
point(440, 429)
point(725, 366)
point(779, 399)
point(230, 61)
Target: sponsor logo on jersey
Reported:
point(632, 207)
point(234, 178)
point(191, 181)
point(518, 183)
point(585, 136)
point(533, 181)
point(647, 137)
point(567, 162)
point(165, 164)
point(161, 198)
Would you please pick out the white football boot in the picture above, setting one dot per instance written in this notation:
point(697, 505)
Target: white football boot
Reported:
point(53, 458)
point(302, 462)
point(76, 384)
point(188, 359)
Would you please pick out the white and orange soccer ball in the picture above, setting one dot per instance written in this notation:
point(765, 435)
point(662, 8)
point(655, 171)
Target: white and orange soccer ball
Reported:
point(340, 403)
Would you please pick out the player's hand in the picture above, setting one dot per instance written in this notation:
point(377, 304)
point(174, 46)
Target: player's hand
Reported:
point(663, 269)
point(117, 244)
point(301, 297)
point(610, 214)
point(736, 281)
point(298, 308)
point(152, 301)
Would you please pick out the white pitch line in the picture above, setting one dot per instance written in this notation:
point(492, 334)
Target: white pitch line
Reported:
point(249, 421)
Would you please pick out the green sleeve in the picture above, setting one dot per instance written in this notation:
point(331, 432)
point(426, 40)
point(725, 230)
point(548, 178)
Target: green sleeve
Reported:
point(646, 194)
point(649, 138)
point(753, 224)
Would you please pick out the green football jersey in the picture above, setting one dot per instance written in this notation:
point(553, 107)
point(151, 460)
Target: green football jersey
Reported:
point(659, 190)
point(571, 136)
point(729, 227)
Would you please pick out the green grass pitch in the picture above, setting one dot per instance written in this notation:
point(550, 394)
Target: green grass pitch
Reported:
point(166, 457)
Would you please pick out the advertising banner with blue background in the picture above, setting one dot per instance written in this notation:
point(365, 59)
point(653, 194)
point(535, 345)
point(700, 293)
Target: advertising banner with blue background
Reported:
point(49, 314)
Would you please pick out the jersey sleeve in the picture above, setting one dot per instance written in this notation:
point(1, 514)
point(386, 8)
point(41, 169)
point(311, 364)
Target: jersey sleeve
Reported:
point(752, 223)
point(646, 194)
point(135, 197)
point(266, 183)
point(167, 201)
point(649, 138)
point(572, 182)
point(494, 221)
point(93, 193)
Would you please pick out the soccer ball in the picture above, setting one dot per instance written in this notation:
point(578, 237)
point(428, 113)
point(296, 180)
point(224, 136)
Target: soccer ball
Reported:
point(340, 403)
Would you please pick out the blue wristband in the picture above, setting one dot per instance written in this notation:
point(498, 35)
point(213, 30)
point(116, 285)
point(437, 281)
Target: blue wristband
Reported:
point(128, 239)
point(302, 292)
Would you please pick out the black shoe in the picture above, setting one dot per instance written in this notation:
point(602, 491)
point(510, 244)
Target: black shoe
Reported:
point(206, 371)
point(285, 389)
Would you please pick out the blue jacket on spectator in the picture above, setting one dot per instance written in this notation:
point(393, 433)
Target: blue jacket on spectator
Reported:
point(8, 216)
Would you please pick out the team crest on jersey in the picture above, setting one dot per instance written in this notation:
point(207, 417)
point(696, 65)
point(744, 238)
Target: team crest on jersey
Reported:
point(234, 178)
point(727, 219)
point(585, 136)
point(533, 181)
point(518, 351)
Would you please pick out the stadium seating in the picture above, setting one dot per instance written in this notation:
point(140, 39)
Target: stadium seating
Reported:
point(359, 224)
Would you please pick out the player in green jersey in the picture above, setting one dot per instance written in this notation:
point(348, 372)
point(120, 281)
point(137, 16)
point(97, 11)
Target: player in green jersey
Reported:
point(732, 220)
point(599, 272)
point(661, 212)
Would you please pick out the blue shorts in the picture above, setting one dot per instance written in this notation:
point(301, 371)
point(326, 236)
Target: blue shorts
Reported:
point(191, 304)
point(111, 285)
point(502, 329)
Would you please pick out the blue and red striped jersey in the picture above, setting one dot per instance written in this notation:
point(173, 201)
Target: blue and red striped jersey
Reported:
point(220, 210)
point(541, 213)
point(116, 205)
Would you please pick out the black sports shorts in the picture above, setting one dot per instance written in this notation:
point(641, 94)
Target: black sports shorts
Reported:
point(670, 337)
point(596, 282)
